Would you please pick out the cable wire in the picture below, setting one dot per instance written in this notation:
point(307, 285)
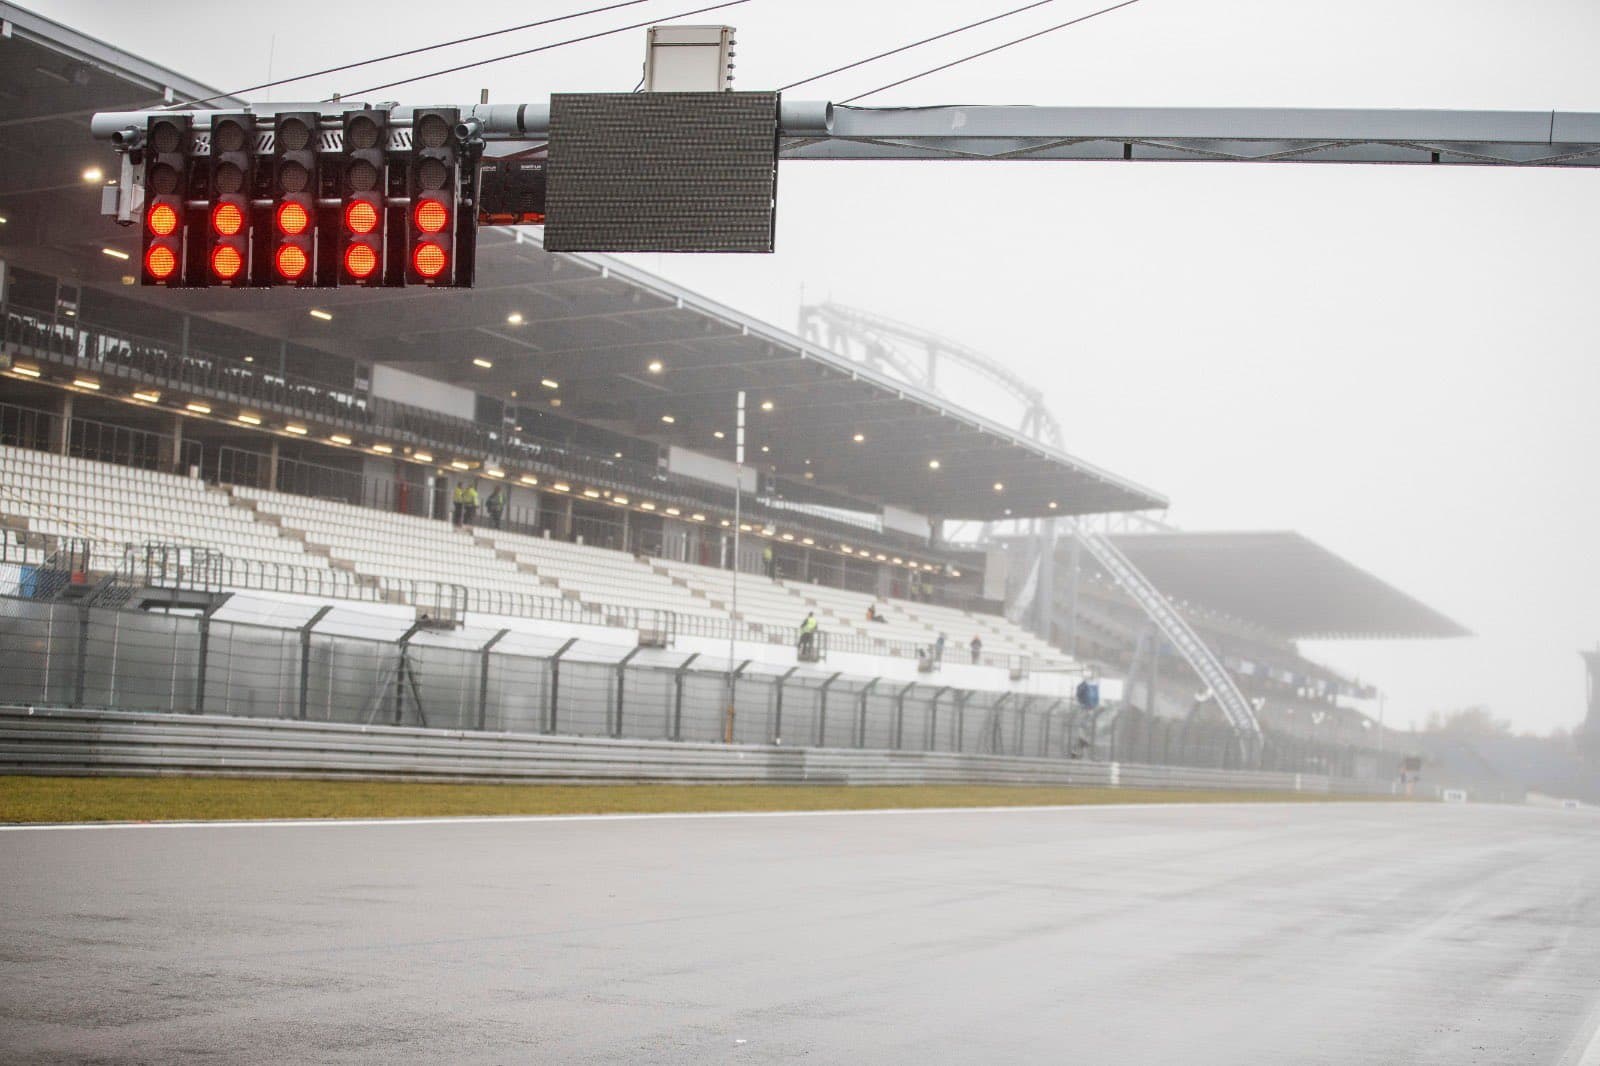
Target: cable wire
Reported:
point(547, 47)
point(410, 52)
point(917, 44)
point(991, 51)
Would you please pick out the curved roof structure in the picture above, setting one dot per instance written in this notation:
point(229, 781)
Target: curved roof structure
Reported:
point(1283, 582)
point(590, 323)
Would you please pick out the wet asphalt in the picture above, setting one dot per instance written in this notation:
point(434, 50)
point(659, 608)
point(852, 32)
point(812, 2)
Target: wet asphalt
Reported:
point(1339, 934)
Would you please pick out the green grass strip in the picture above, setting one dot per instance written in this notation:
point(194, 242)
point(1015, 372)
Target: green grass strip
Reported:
point(140, 799)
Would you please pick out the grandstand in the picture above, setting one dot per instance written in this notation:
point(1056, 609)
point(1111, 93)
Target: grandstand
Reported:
point(298, 453)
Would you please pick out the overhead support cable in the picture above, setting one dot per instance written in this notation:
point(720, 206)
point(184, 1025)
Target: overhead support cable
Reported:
point(409, 52)
point(991, 51)
point(548, 47)
point(915, 44)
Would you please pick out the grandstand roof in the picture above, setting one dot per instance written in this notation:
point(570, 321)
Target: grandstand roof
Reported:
point(592, 324)
point(1284, 583)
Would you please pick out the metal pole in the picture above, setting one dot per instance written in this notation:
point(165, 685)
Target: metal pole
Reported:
point(677, 696)
point(622, 673)
point(777, 718)
point(738, 501)
point(483, 677)
point(305, 656)
point(555, 684)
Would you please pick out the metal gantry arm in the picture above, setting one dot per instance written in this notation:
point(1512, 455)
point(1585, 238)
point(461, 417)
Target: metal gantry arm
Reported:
point(821, 130)
point(1233, 134)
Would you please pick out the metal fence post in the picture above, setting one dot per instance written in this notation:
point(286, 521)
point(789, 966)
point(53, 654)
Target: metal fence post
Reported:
point(861, 714)
point(931, 739)
point(622, 674)
point(962, 696)
point(677, 696)
point(900, 714)
point(777, 715)
point(200, 664)
point(80, 669)
point(305, 657)
point(822, 709)
point(551, 721)
point(483, 677)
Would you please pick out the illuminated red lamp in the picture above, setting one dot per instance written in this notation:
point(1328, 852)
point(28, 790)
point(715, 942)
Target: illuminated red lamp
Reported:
point(227, 220)
point(226, 262)
point(432, 216)
point(293, 219)
point(161, 262)
point(162, 220)
point(360, 260)
point(291, 262)
point(429, 260)
point(361, 217)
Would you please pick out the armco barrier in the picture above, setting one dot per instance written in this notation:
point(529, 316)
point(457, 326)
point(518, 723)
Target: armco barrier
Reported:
point(38, 740)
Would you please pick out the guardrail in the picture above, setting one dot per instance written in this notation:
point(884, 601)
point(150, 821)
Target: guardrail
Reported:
point(45, 740)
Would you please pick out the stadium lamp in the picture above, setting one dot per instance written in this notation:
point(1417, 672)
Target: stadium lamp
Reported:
point(999, 486)
point(514, 319)
point(718, 434)
point(297, 430)
point(87, 383)
point(933, 464)
point(550, 383)
point(321, 315)
point(654, 367)
point(483, 364)
point(766, 405)
point(859, 438)
point(116, 253)
point(93, 174)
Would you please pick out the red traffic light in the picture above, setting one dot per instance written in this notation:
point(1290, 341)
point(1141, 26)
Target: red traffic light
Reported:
point(162, 220)
point(291, 262)
point(293, 219)
point(430, 260)
point(360, 260)
point(226, 262)
point(432, 216)
point(161, 262)
point(361, 217)
point(227, 220)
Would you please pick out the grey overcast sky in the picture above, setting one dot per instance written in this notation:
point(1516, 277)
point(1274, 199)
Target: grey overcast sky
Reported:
point(1398, 362)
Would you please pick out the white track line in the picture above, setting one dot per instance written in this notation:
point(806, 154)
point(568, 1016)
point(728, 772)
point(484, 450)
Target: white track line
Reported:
point(504, 819)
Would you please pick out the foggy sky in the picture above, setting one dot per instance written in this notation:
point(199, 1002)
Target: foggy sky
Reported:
point(1398, 362)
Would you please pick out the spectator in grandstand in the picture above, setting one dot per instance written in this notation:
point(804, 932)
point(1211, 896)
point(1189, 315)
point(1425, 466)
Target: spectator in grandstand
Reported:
point(977, 648)
point(469, 508)
point(769, 562)
point(496, 505)
point(877, 616)
point(938, 649)
point(872, 613)
point(808, 635)
point(458, 505)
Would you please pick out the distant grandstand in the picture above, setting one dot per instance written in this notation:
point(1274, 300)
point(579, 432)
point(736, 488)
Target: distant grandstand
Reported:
point(284, 470)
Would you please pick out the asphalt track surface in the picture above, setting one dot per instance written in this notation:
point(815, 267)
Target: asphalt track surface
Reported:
point(1208, 934)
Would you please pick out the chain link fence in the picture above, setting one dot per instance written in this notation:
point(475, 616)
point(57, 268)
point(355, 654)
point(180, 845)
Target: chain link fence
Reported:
point(79, 655)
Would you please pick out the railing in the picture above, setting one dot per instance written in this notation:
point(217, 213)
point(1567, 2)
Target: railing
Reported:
point(118, 354)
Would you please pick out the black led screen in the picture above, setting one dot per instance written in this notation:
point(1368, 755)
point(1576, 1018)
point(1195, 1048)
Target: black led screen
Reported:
point(662, 172)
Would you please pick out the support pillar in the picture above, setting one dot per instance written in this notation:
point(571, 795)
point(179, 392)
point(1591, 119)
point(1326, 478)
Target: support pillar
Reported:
point(272, 465)
point(61, 428)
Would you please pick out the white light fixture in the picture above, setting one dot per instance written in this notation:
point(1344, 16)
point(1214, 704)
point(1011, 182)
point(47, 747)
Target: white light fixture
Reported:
point(197, 408)
point(698, 517)
point(674, 512)
point(933, 464)
point(668, 419)
point(3, 220)
point(514, 318)
point(999, 486)
point(766, 405)
point(495, 473)
point(550, 383)
point(859, 438)
point(147, 396)
point(116, 253)
point(529, 479)
point(807, 540)
point(1052, 505)
point(555, 401)
point(647, 506)
point(249, 358)
point(383, 449)
point(93, 174)
point(620, 501)
point(788, 536)
point(654, 367)
point(459, 465)
point(339, 438)
point(484, 363)
point(86, 383)
point(422, 457)
point(26, 371)
point(593, 494)
point(249, 419)
point(562, 486)
point(318, 313)
point(298, 431)
point(718, 434)
point(765, 449)
point(617, 455)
